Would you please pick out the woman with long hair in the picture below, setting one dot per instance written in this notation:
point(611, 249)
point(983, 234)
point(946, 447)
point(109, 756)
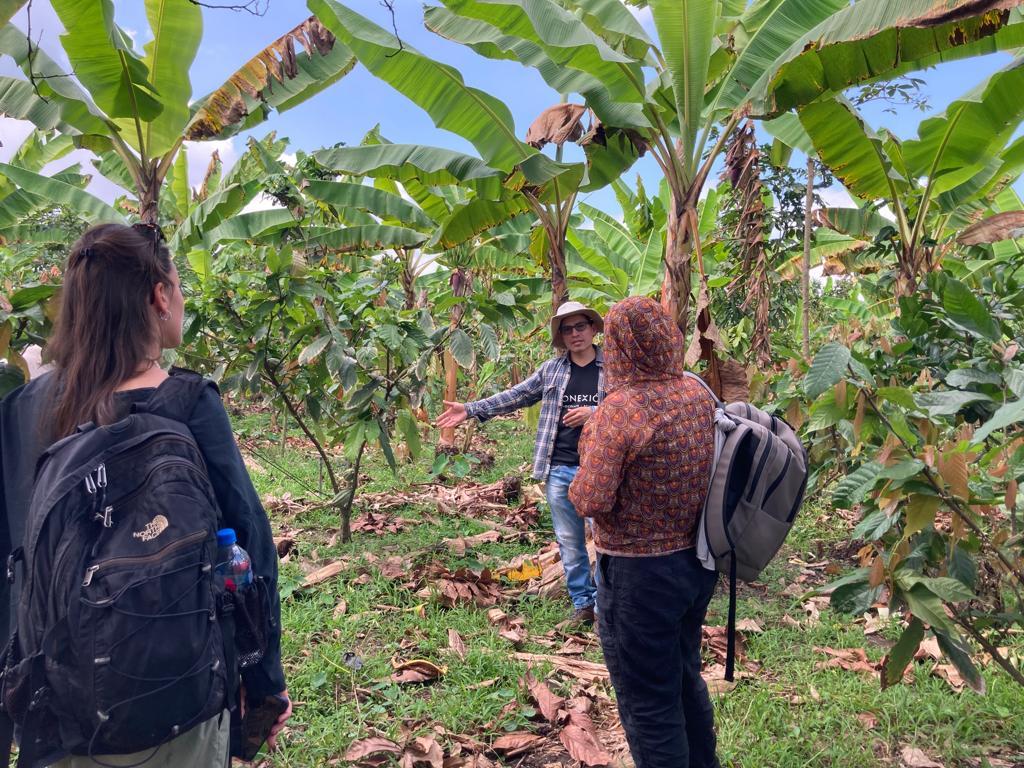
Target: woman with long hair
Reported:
point(121, 304)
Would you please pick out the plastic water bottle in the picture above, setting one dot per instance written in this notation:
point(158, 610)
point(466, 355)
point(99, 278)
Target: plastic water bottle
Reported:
point(232, 561)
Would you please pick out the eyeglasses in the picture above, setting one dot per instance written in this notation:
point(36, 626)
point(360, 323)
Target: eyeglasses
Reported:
point(568, 330)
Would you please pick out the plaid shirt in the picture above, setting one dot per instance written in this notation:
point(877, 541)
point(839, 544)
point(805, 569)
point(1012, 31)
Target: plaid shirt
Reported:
point(547, 384)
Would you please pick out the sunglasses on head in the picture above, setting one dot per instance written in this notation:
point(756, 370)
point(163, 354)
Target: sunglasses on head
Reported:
point(150, 230)
point(575, 327)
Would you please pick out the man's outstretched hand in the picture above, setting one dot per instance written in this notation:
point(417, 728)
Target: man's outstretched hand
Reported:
point(454, 414)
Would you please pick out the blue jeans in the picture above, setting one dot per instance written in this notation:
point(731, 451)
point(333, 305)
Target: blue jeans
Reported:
point(652, 609)
point(570, 533)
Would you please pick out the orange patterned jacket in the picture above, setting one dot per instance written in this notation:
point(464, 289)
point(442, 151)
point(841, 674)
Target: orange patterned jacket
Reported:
point(646, 453)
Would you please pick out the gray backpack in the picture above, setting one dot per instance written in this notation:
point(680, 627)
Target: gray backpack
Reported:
point(757, 483)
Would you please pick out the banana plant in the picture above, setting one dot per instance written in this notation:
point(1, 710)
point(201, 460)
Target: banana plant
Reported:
point(34, 235)
point(135, 111)
point(934, 184)
point(610, 261)
point(531, 180)
point(714, 62)
point(24, 211)
point(478, 195)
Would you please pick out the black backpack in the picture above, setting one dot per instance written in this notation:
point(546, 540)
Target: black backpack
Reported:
point(117, 644)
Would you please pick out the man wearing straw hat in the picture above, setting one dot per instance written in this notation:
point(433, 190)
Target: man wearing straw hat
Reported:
point(569, 386)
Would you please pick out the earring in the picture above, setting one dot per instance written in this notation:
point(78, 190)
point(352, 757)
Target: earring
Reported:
point(165, 316)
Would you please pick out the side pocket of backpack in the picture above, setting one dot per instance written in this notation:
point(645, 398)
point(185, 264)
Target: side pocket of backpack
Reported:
point(252, 622)
point(27, 699)
point(14, 681)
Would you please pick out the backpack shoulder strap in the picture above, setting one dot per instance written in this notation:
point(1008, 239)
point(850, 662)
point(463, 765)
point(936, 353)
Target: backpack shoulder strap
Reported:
point(710, 391)
point(176, 398)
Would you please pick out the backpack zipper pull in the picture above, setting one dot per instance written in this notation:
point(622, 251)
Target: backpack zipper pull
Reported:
point(90, 488)
point(88, 575)
point(105, 516)
point(101, 503)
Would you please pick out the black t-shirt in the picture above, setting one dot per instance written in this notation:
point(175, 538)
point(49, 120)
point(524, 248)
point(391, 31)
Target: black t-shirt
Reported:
point(581, 391)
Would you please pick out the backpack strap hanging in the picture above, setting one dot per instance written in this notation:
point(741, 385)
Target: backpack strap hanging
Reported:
point(730, 643)
point(723, 426)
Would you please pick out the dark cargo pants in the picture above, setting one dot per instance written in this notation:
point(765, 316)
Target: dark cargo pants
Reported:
point(652, 609)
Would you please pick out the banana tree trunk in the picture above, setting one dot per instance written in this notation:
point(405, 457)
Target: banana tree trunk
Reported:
point(409, 287)
point(907, 279)
point(149, 196)
point(460, 283)
point(559, 280)
point(407, 276)
point(451, 378)
point(915, 262)
point(676, 286)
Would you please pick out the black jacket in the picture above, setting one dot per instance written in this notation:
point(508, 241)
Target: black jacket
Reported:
point(23, 440)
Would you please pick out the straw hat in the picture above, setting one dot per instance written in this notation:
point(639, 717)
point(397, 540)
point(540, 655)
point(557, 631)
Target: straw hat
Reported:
point(572, 308)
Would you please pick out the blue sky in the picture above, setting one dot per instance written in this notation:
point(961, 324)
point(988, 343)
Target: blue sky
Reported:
point(347, 110)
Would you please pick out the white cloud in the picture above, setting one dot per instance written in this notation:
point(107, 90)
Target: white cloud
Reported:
point(262, 202)
point(12, 134)
point(425, 263)
point(200, 152)
point(836, 197)
point(289, 158)
point(133, 35)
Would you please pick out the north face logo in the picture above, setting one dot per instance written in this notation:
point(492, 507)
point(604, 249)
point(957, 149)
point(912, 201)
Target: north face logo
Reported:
point(153, 528)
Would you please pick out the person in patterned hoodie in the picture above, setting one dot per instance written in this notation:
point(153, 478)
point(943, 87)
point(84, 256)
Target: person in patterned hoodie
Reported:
point(646, 457)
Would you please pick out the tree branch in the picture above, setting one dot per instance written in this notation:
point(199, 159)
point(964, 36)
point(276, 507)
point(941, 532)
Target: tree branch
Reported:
point(255, 7)
point(279, 387)
point(390, 5)
point(991, 649)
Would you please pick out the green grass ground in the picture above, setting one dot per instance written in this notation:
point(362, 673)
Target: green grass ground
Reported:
point(343, 636)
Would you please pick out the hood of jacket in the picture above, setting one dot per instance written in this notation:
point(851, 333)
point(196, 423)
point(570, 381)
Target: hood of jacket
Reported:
point(641, 344)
